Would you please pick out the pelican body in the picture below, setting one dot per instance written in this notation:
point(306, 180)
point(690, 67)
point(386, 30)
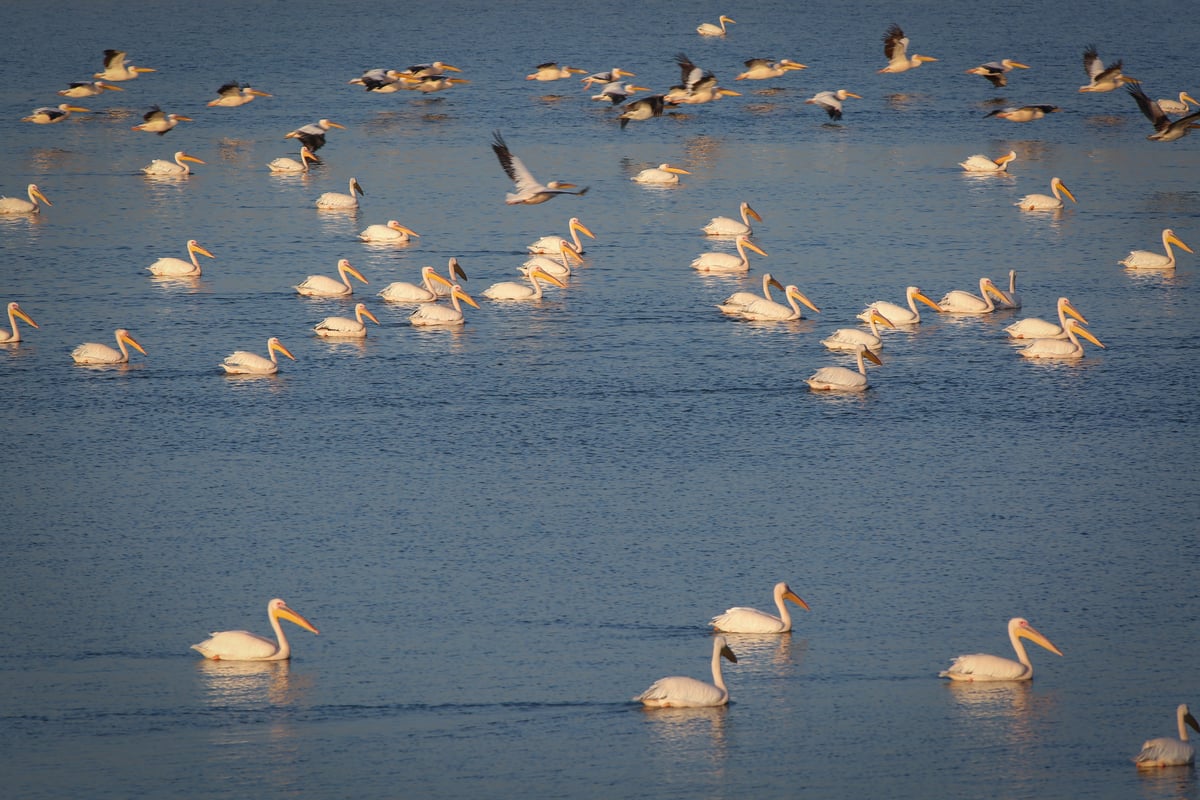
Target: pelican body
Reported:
point(312, 135)
point(1180, 106)
point(48, 116)
point(685, 692)
point(17, 205)
point(766, 310)
point(738, 301)
point(510, 290)
point(697, 86)
point(551, 71)
point(851, 338)
point(1044, 202)
point(548, 245)
point(1022, 113)
point(831, 101)
point(751, 620)
point(232, 95)
point(709, 29)
point(841, 379)
point(403, 292)
point(291, 165)
point(997, 71)
point(724, 226)
point(95, 353)
point(325, 286)
point(339, 201)
point(90, 89)
point(177, 267)
point(243, 362)
point(392, 232)
point(1061, 348)
point(1168, 752)
point(561, 268)
point(1034, 328)
point(1146, 259)
point(960, 302)
point(1165, 130)
point(616, 92)
point(437, 315)
point(246, 646)
point(178, 168)
point(14, 335)
point(645, 108)
point(983, 667)
point(981, 163)
point(895, 49)
point(158, 121)
point(663, 174)
point(115, 68)
point(758, 69)
point(1100, 78)
point(727, 262)
point(528, 190)
point(901, 315)
point(345, 328)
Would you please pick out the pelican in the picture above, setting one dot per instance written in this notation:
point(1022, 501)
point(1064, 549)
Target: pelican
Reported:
point(232, 95)
point(383, 81)
point(430, 83)
point(93, 88)
point(243, 362)
point(995, 71)
point(758, 69)
point(709, 29)
point(724, 226)
point(751, 620)
point(345, 328)
point(553, 72)
point(645, 108)
point(430, 70)
point(246, 646)
point(983, 667)
point(337, 200)
point(662, 174)
point(761, 309)
point(1010, 299)
point(177, 267)
point(613, 75)
point(1099, 78)
point(93, 353)
point(616, 92)
point(899, 315)
point(403, 292)
point(510, 290)
point(1168, 752)
point(737, 302)
point(1060, 348)
point(561, 268)
point(727, 262)
point(1022, 113)
point(684, 692)
point(16, 205)
point(312, 135)
point(851, 338)
point(958, 301)
point(393, 231)
point(895, 48)
point(981, 163)
point(291, 165)
point(529, 191)
point(553, 244)
point(432, 314)
point(831, 101)
point(1164, 129)
point(697, 85)
point(841, 379)
point(115, 68)
point(1145, 259)
point(1180, 106)
point(1034, 328)
point(15, 311)
point(158, 121)
point(324, 286)
point(48, 116)
point(178, 168)
point(1043, 202)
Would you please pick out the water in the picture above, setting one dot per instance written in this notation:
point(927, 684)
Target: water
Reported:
point(505, 532)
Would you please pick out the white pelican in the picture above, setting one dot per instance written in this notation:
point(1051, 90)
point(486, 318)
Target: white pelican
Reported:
point(178, 167)
point(698, 85)
point(851, 338)
point(645, 108)
point(1180, 106)
point(1034, 328)
point(48, 116)
point(337, 200)
point(613, 75)
point(94, 353)
point(15, 311)
point(553, 244)
point(344, 327)
point(158, 121)
point(958, 301)
point(616, 92)
point(291, 165)
point(761, 309)
point(900, 315)
point(529, 191)
point(177, 267)
point(1165, 130)
point(1010, 299)
point(324, 286)
point(983, 667)
point(727, 262)
point(243, 362)
point(115, 68)
point(842, 379)
point(662, 174)
point(511, 290)
point(1168, 752)
point(995, 71)
point(1061, 348)
point(393, 231)
point(17, 205)
point(246, 646)
point(430, 83)
point(1022, 113)
point(1044, 202)
point(1146, 259)
point(895, 49)
point(831, 101)
point(736, 302)
point(402, 292)
point(312, 135)
point(684, 692)
point(430, 70)
point(724, 226)
point(382, 81)
point(435, 314)
point(93, 88)
point(1099, 78)
point(751, 620)
point(981, 163)
point(232, 95)
point(758, 69)
point(551, 71)
point(709, 29)
point(560, 269)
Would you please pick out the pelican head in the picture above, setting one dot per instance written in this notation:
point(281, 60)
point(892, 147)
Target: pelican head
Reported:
point(327, 124)
point(788, 594)
point(870, 355)
point(675, 170)
point(457, 291)
point(356, 188)
point(541, 274)
point(182, 156)
point(720, 642)
point(1069, 309)
point(361, 310)
point(34, 191)
point(750, 212)
point(568, 251)
point(1057, 182)
point(123, 336)
point(792, 291)
point(278, 608)
point(877, 317)
point(1078, 330)
point(194, 247)
point(744, 241)
point(344, 267)
point(396, 226)
point(428, 272)
point(1002, 160)
point(454, 268)
point(575, 224)
point(730, 21)
point(560, 185)
point(276, 345)
point(16, 311)
point(1021, 629)
point(917, 294)
point(1168, 234)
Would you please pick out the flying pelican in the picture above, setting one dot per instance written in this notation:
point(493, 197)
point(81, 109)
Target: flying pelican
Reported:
point(1044, 202)
point(709, 29)
point(895, 49)
point(751, 620)
point(93, 88)
point(613, 75)
point(48, 116)
point(981, 163)
point(529, 191)
point(553, 72)
point(1164, 129)
point(511, 290)
point(312, 135)
point(851, 338)
point(1099, 78)
point(17, 205)
point(383, 81)
point(1145, 259)
point(900, 315)
point(724, 226)
point(243, 362)
point(561, 268)
point(393, 231)
point(698, 85)
point(831, 101)
point(983, 667)
point(1010, 299)
point(93, 353)
point(324, 286)
point(337, 200)
point(15, 311)
point(995, 71)
point(727, 262)
point(177, 267)
point(291, 165)
point(764, 310)
point(553, 244)
point(958, 301)
point(1034, 328)
point(1061, 348)
point(430, 70)
point(662, 174)
point(644, 108)
point(758, 69)
point(232, 95)
point(616, 92)
point(402, 292)
point(115, 68)
point(842, 379)
point(737, 302)
point(344, 327)
point(158, 121)
point(1180, 106)
point(1022, 113)
point(435, 314)
point(427, 84)
point(1168, 752)
point(684, 692)
point(246, 646)
point(165, 168)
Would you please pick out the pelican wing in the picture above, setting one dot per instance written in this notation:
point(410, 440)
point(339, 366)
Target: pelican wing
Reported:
point(514, 167)
point(984, 667)
point(237, 646)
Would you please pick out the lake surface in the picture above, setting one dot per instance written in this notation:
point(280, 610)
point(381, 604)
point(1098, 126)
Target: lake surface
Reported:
point(505, 532)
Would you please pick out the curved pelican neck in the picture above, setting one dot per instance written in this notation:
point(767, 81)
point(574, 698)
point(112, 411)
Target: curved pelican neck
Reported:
point(285, 650)
point(784, 615)
point(1181, 715)
point(718, 679)
point(1019, 647)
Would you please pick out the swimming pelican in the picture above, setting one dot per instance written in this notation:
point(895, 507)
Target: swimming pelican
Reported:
point(243, 362)
point(177, 267)
point(645, 108)
point(899, 315)
point(616, 92)
point(1022, 113)
point(511, 290)
point(958, 301)
point(764, 310)
point(48, 116)
point(831, 101)
point(393, 231)
point(841, 379)
point(324, 286)
point(613, 75)
point(895, 49)
point(158, 121)
point(724, 226)
point(709, 29)
point(751, 620)
point(561, 268)
point(1145, 259)
point(93, 88)
point(553, 244)
point(435, 314)
point(697, 86)
point(851, 338)
point(1180, 106)
point(312, 135)
point(246, 646)
point(115, 68)
point(1168, 752)
point(15, 311)
point(291, 165)
point(1034, 328)
point(737, 302)
point(427, 292)
point(995, 71)
point(16, 205)
point(1060, 348)
point(684, 692)
point(727, 262)
point(94, 353)
point(344, 327)
point(178, 168)
point(232, 95)
point(983, 667)
point(1044, 202)
point(662, 174)
point(553, 72)
point(339, 201)
point(981, 163)
point(758, 69)
point(1099, 78)
point(1010, 299)
point(529, 191)
point(1165, 130)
